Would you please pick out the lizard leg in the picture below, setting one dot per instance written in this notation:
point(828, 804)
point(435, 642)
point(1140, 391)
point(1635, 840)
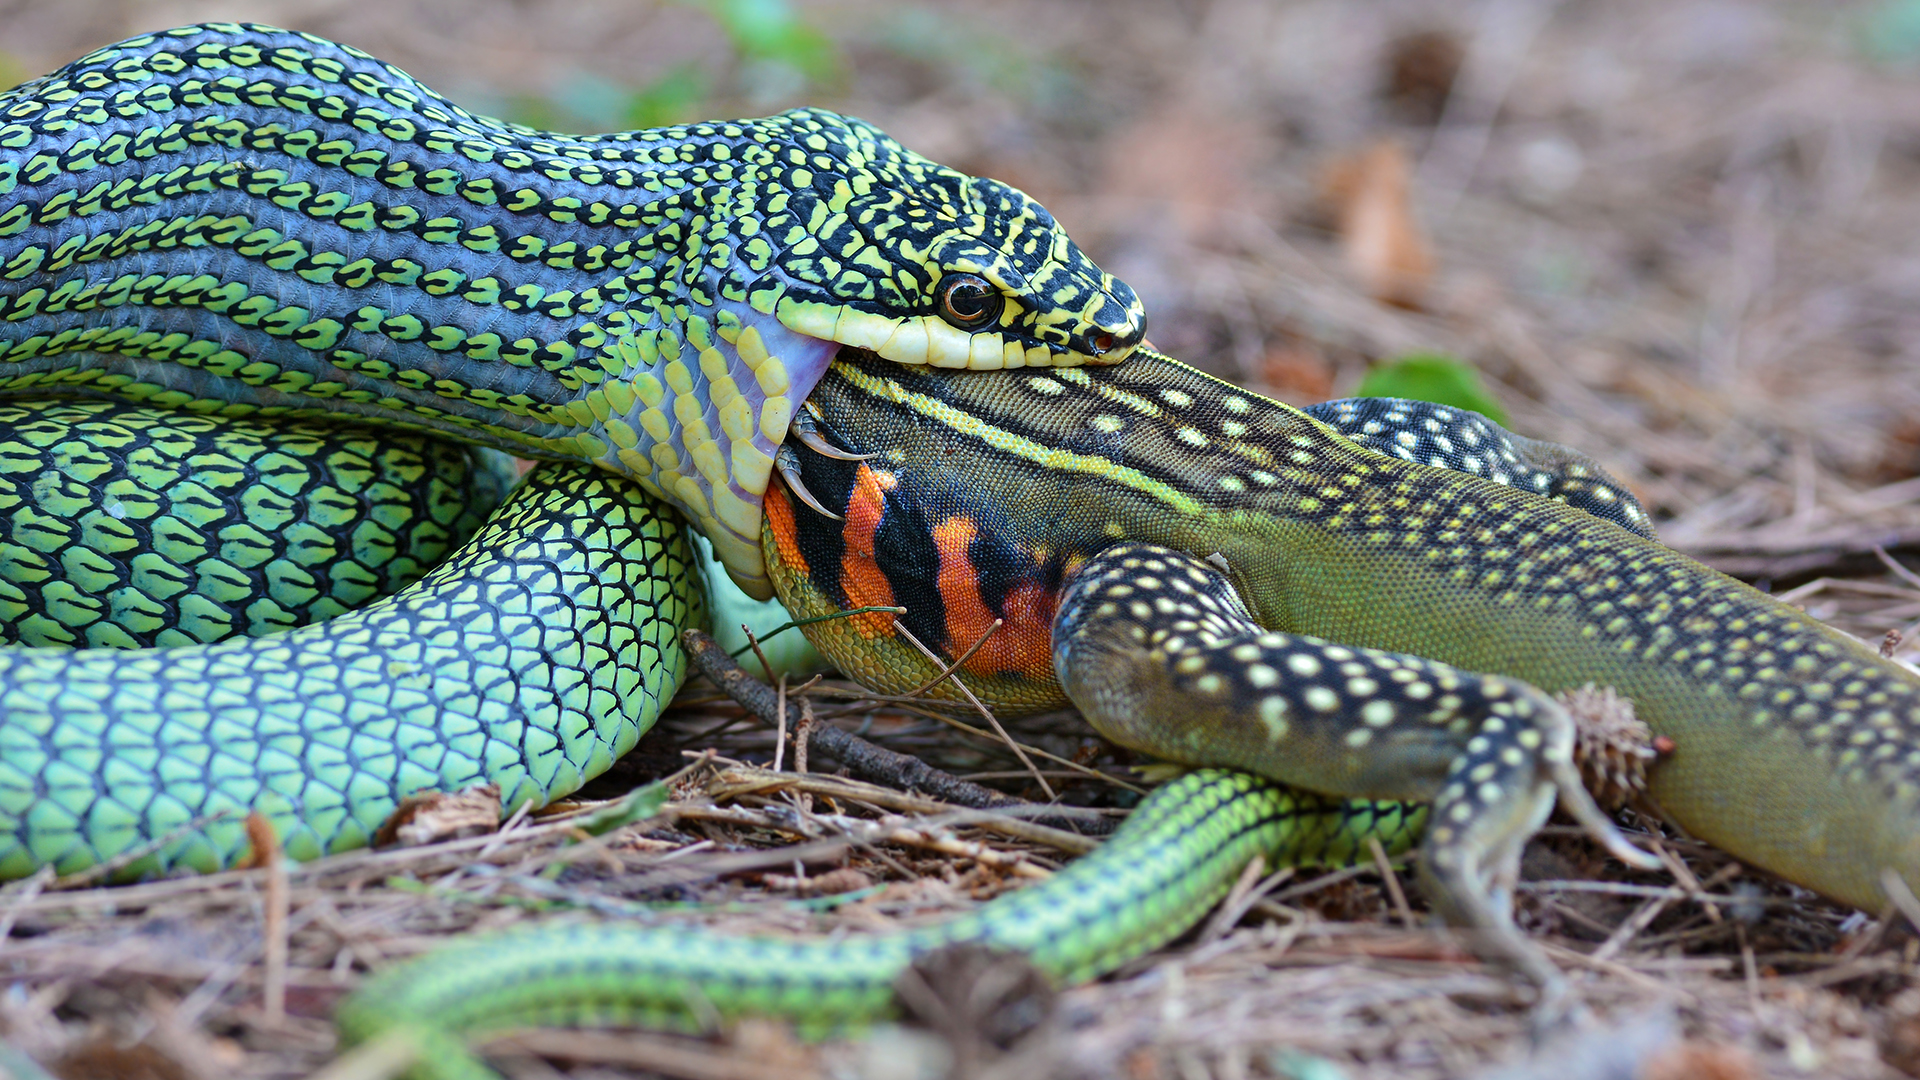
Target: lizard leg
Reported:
point(1464, 441)
point(1157, 650)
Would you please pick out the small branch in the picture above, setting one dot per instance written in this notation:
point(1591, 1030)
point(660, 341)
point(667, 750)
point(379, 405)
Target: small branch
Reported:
point(741, 780)
point(1392, 879)
point(947, 671)
point(779, 719)
point(985, 712)
point(875, 763)
point(1239, 898)
point(266, 855)
point(1894, 565)
point(801, 734)
point(908, 705)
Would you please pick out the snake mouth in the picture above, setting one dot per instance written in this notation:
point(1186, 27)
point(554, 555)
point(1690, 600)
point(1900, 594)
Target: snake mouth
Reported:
point(743, 384)
point(929, 340)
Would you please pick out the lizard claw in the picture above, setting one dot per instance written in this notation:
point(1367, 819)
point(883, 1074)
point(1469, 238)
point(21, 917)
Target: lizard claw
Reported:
point(788, 465)
point(805, 427)
point(1579, 805)
point(1471, 860)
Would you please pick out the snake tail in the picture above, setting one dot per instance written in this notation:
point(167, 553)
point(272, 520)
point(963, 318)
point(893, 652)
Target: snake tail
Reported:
point(1175, 857)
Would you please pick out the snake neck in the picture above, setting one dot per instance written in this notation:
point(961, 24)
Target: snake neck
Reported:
point(235, 219)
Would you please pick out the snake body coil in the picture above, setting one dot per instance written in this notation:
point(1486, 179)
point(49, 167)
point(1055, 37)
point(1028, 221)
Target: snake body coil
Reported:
point(241, 220)
point(236, 221)
point(233, 221)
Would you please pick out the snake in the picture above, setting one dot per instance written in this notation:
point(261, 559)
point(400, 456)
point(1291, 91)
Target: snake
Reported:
point(238, 223)
point(865, 380)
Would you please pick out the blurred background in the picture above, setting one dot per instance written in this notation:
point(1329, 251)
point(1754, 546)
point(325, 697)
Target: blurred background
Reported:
point(1679, 234)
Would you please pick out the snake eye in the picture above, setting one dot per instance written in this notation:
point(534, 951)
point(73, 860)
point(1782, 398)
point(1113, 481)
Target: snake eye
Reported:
point(969, 301)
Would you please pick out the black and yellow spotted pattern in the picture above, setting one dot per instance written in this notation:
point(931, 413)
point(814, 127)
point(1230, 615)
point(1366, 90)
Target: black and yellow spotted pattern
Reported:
point(1447, 437)
point(1795, 745)
point(236, 219)
point(1146, 634)
point(129, 527)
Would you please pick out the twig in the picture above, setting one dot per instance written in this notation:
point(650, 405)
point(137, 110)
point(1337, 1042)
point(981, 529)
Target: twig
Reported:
point(895, 831)
point(754, 642)
point(801, 734)
point(1747, 965)
point(1901, 896)
point(650, 1053)
point(1622, 888)
point(1615, 968)
point(1247, 888)
point(266, 855)
point(978, 733)
point(740, 780)
point(780, 723)
point(947, 671)
point(1641, 918)
point(505, 832)
point(22, 896)
point(795, 624)
point(873, 762)
point(1684, 874)
point(1393, 883)
point(1894, 565)
point(985, 712)
point(1323, 881)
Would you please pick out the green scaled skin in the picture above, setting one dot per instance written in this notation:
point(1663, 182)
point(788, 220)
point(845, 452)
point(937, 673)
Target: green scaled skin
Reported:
point(531, 659)
point(238, 219)
point(1172, 861)
point(127, 527)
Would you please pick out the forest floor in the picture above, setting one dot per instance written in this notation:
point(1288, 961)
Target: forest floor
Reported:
point(1677, 234)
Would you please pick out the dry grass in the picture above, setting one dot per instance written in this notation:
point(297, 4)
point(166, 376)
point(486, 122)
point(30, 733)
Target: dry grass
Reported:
point(1675, 234)
point(174, 978)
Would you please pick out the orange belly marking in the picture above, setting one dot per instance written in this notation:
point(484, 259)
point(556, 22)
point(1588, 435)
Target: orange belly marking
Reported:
point(860, 576)
point(1024, 642)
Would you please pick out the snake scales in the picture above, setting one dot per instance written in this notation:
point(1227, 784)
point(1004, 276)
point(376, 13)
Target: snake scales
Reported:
point(234, 222)
point(216, 239)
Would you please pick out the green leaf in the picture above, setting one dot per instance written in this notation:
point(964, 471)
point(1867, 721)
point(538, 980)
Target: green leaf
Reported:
point(1435, 377)
point(1889, 31)
point(639, 805)
point(771, 30)
point(673, 98)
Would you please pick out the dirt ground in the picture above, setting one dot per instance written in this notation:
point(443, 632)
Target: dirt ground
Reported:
point(1677, 234)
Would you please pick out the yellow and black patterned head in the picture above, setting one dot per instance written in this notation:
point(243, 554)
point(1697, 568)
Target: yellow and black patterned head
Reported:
point(881, 249)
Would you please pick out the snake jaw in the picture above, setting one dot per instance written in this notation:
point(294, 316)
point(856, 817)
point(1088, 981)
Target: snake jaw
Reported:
point(917, 340)
point(698, 419)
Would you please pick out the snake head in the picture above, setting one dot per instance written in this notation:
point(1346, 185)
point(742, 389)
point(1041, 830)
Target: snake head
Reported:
point(884, 250)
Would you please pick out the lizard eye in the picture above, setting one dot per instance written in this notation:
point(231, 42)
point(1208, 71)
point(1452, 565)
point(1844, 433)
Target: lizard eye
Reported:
point(969, 301)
